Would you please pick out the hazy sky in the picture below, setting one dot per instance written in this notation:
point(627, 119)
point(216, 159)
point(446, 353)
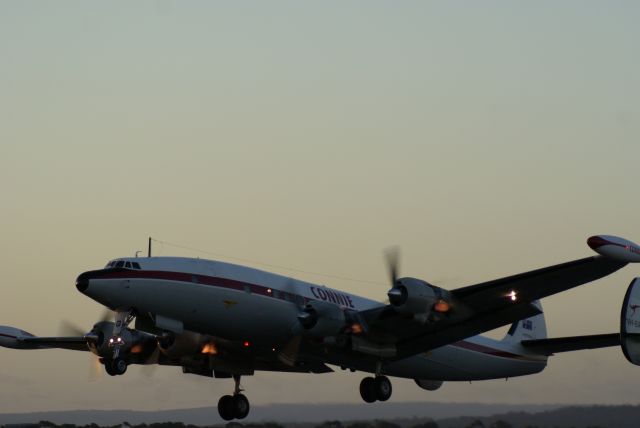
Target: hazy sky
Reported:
point(485, 138)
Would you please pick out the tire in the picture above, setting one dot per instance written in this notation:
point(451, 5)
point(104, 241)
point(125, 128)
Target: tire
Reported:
point(240, 406)
point(383, 388)
point(119, 366)
point(108, 367)
point(226, 407)
point(368, 390)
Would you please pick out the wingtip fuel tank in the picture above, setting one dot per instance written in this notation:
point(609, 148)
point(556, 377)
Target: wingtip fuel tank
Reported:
point(615, 248)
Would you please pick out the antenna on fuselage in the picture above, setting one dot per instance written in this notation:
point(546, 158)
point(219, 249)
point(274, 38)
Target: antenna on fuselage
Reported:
point(149, 250)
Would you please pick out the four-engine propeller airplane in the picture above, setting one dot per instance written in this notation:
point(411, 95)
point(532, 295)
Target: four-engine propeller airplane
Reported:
point(222, 320)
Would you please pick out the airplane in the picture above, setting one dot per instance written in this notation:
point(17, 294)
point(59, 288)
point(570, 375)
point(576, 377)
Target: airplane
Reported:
point(222, 320)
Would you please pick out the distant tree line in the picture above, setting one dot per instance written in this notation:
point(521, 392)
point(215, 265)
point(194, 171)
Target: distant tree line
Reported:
point(329, 424)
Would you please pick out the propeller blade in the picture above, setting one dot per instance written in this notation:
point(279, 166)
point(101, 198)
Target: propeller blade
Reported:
point(148, 370)
point(107, 315)
point(96, 371)
point(151, 363)
point(67, 328)
point(289, 354)
point(392, 256)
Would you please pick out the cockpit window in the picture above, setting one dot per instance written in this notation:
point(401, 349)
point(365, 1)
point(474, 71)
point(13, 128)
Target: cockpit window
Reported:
point(123, 264)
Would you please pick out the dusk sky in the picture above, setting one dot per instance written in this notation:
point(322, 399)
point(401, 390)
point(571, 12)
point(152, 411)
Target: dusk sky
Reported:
point(484, 138)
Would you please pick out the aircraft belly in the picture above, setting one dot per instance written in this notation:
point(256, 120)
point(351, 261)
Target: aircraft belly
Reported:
point(451, 363)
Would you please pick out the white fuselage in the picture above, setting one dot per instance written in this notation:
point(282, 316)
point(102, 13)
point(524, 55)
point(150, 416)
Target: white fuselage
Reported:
point(241, 303)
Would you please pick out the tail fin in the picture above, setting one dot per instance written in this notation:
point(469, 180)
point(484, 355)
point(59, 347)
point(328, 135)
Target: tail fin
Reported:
point(528, 329)
point(629, 324)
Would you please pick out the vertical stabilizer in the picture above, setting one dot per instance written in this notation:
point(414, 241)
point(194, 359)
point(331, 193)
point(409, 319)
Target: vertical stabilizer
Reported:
point(529, 328)
point(630, 323)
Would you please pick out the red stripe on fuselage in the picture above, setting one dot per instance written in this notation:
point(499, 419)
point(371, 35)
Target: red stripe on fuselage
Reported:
point(198, 279)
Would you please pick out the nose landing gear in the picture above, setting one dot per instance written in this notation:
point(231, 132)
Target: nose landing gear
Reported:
point(115, 367)
point(234, 406)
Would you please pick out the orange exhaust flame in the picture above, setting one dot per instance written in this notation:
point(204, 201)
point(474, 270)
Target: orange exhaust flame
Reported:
point(442, 307)
point(210, 349)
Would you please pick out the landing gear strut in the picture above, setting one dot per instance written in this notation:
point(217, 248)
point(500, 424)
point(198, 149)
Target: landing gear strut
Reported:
point(234, 406)
point(376, 388)
point(117, 365)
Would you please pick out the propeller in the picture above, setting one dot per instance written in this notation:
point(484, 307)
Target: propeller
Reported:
point(392, 256)
point(289, 354)
point(306, 317)
point(151, 363)
point(96, 371)
point(68, 328)
point(291, 349)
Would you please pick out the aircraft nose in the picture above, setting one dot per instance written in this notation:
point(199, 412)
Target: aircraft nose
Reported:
point(82, 282)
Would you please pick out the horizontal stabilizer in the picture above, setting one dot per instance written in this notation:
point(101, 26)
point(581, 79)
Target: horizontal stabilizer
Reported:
point(573, 343)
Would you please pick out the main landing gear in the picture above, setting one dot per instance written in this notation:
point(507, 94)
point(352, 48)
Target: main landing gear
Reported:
point(375, 389)
point(234, 406)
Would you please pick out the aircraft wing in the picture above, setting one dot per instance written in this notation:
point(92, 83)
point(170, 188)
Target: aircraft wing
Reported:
point(482, 307)
point(574, 343)
point(11, 337)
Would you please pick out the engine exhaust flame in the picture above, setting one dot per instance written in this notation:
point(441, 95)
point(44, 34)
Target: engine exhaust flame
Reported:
point(210, 349)
point(442, 306)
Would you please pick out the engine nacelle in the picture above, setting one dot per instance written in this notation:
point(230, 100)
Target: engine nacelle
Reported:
point(322, 319)
point(178, 345)
point(411, 296)
point(429, 385)
point(133, 341)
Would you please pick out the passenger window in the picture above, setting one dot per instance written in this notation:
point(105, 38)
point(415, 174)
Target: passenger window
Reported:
point(135, 265)
point(120, 264)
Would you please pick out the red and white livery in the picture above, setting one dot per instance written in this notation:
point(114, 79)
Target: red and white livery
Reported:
point(223, 320)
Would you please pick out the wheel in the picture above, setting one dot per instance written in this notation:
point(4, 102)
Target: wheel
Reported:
point(382, 388)
point(240, 406)
point(108, 367)
point(368, 389)
point(226, 407)
point(119, 366)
